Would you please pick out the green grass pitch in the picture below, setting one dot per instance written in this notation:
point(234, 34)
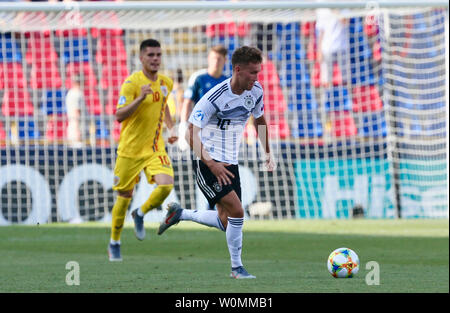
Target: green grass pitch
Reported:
point(285, 256)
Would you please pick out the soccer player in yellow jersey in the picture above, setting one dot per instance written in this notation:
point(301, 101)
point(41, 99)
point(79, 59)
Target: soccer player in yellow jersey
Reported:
point(141, 110)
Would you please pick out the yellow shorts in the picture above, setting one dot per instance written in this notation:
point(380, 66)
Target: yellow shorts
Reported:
point(127, 170)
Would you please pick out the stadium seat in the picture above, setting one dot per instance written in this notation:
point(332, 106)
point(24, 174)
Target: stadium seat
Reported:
point(295, 73)
point(278, 127)
point(113, 20)
point(45, 74)
point(36, 18)
point(2, 134)
point(310, 127)
point(374, 125)
point(76, 50)
point(366, 98)
point(377, 52)
point(316, 75)
point(116, 131)
point(92, 100)
point(342, 124)
point(11, 75)
point(110, 50)
point(24, 129)
point(308, 28)
point(113, 75)
point(370, 26)
point(112, 98)
point(56, 128)
point(53, 102)
point(9, 49)
point(337, 99)
point(40, 49)
point(84, 70)
point(302, 99)
point(17, 102)
point(229, 28)
point(274, 102)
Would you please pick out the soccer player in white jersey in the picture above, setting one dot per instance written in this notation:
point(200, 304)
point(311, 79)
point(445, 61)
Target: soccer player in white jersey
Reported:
point(214, 133)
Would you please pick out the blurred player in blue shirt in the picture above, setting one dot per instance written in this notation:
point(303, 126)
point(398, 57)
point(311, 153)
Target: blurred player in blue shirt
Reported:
point(199, 84)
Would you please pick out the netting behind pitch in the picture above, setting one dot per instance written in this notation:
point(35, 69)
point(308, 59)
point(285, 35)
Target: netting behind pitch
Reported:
point(370, 130)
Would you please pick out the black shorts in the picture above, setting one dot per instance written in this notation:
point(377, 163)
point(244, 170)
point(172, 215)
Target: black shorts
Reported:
point(209, 185)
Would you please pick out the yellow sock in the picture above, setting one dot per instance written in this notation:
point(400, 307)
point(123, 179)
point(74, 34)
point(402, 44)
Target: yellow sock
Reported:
point(119, 212)
point(157, 197)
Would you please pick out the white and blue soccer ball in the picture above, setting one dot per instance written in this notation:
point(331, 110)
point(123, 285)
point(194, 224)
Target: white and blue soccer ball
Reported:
point(343, 263)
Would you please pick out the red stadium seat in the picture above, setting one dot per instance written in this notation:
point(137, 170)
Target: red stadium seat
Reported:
point(83, 70)
point(56, 128)
point(366, 99)
point(274, 102)
point(40, 49)
point(45, 75)
point(336, 79)
point(17, 102)
point(114, 75)
point(227, 29)
point(112, 99)
point(113, 20)
point(343, 124)
point(92, 101)
point(31, 18)
point(110, 50)
point(116, 131)
point(2, 135)
point(11, 75)
point(371, 26)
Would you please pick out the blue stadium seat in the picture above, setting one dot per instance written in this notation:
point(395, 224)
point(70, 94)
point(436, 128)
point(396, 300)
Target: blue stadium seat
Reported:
point(26, 129)
point(374, 125)
point(9, 49)
point(53, 102)
point(295, 73)
point(309, 126)
point(101, 129)
point(76, 50)
point(337, 99)
point(301, 99)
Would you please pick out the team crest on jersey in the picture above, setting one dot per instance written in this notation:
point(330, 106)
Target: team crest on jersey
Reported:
point(164, 90)
point(122, 100)
point(199, 115)
point(217, 187)
point(249, 103)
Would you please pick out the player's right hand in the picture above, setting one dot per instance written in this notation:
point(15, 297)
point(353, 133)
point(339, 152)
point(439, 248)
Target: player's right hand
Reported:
point(222, 174)
point(146, 90)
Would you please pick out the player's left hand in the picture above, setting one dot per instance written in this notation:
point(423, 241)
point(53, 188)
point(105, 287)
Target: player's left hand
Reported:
point(269, 162)
point(173, 136)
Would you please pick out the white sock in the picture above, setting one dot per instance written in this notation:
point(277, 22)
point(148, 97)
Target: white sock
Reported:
point(234, 240)
point(140, 213)
point(204, 217)
point(114, 242)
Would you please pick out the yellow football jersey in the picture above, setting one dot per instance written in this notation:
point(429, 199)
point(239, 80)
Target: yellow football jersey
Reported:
point(141, 133)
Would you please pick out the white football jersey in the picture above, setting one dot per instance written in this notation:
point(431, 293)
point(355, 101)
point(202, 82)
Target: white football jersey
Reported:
point(222, 116)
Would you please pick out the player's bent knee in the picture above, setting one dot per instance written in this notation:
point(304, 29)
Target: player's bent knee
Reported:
point(125, 193)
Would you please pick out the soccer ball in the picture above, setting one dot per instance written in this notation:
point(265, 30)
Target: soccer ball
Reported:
point(343, 263)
